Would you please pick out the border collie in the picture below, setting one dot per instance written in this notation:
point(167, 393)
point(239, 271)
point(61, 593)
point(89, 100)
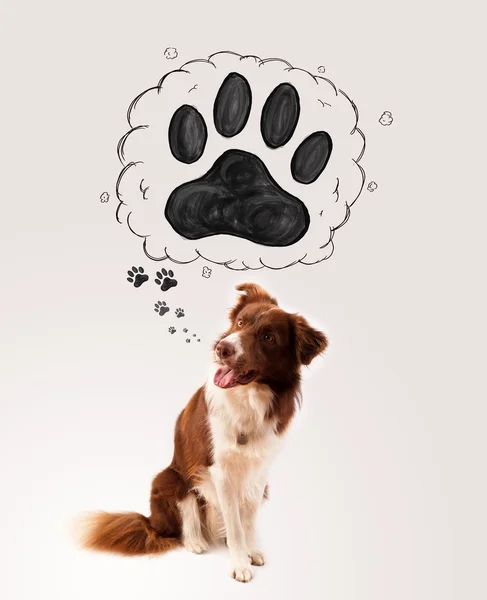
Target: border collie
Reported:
point(224, 441)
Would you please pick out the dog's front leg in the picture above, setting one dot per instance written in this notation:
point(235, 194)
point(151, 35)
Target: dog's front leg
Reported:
point(228, 499)
point(249, 518)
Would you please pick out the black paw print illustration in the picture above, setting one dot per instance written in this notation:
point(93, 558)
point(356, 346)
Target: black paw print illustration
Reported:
point(161, 308)
point(137, 276)
point(179, 312)
point(172, 330)
point(165, 280)
point(238, 196)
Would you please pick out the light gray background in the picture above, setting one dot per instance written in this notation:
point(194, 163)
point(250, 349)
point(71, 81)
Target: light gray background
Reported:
point(379, 492)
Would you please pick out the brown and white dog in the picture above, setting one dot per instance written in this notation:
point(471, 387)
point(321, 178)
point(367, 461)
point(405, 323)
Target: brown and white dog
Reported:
point(224, 441)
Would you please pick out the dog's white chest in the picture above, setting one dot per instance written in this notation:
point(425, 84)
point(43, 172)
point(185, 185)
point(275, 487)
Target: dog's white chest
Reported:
point(236, 416)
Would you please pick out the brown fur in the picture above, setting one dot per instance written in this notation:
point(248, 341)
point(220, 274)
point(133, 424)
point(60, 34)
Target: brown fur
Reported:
point(125, 533)
point(294, 343)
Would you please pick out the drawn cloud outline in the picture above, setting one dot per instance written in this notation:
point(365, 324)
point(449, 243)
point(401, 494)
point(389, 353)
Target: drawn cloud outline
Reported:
point(126, 210)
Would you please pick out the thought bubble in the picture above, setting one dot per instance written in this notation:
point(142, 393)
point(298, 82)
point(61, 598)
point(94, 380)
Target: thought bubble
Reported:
point(171, 53)
point(386, 118)
point(244, 162)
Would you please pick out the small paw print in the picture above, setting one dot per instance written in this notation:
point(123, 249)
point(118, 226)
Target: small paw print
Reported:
point(185, 330)
point(188, 340)
point(179, 312)
point(165, 280)
point(206, 272)
point(137, 276)
point(161, 308)
point(172, 330)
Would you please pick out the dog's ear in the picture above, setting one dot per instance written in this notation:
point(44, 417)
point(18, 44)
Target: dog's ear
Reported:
point(252, 292)
point(309, 341)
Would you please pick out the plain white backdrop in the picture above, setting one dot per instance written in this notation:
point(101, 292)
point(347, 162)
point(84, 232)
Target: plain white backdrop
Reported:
point(379, 492)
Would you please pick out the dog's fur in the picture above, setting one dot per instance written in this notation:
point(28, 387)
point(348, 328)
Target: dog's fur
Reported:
point(214, 485)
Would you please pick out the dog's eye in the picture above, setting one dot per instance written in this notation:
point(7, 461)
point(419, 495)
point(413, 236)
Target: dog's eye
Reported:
point(268, 337)
point(240, 323)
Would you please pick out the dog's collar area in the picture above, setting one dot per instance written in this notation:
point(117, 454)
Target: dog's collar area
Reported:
point(242, 439)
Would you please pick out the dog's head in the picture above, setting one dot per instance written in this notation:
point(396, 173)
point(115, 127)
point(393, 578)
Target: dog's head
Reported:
point(264, 343)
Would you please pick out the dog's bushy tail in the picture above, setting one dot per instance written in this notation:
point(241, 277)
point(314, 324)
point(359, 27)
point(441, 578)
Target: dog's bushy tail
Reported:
point(127, 533)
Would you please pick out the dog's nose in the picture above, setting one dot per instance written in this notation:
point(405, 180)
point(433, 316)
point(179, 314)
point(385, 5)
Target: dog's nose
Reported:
point(225, 349)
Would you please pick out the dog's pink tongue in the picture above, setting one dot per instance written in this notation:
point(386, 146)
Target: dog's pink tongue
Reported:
point(225, 377)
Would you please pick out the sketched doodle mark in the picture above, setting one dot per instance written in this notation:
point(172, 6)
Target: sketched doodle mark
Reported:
point(165, 280)
point(105, 197)
point(172, 330)
point(161, 308)
point(179, 312)
point(372, 186)
point(236, 154)
point(386, 118)
point(171, 53)
point(321, 69)
point(206, 272)
point(137, 276)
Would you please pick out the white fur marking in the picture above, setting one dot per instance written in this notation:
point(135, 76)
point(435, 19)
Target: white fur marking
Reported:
point(233, 486)
point(193, 539)
point(234, 340)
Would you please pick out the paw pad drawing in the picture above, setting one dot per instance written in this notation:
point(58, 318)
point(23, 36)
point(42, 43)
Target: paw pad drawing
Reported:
point(165, 280)
point(137, 277)
point(161, 308)
point(238, 195)
point(172, 330)
point(179, 312)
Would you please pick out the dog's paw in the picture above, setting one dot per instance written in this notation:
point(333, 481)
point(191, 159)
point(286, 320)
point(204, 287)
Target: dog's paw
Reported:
point(257, 558)
point(196, 546)
point(241, 570)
